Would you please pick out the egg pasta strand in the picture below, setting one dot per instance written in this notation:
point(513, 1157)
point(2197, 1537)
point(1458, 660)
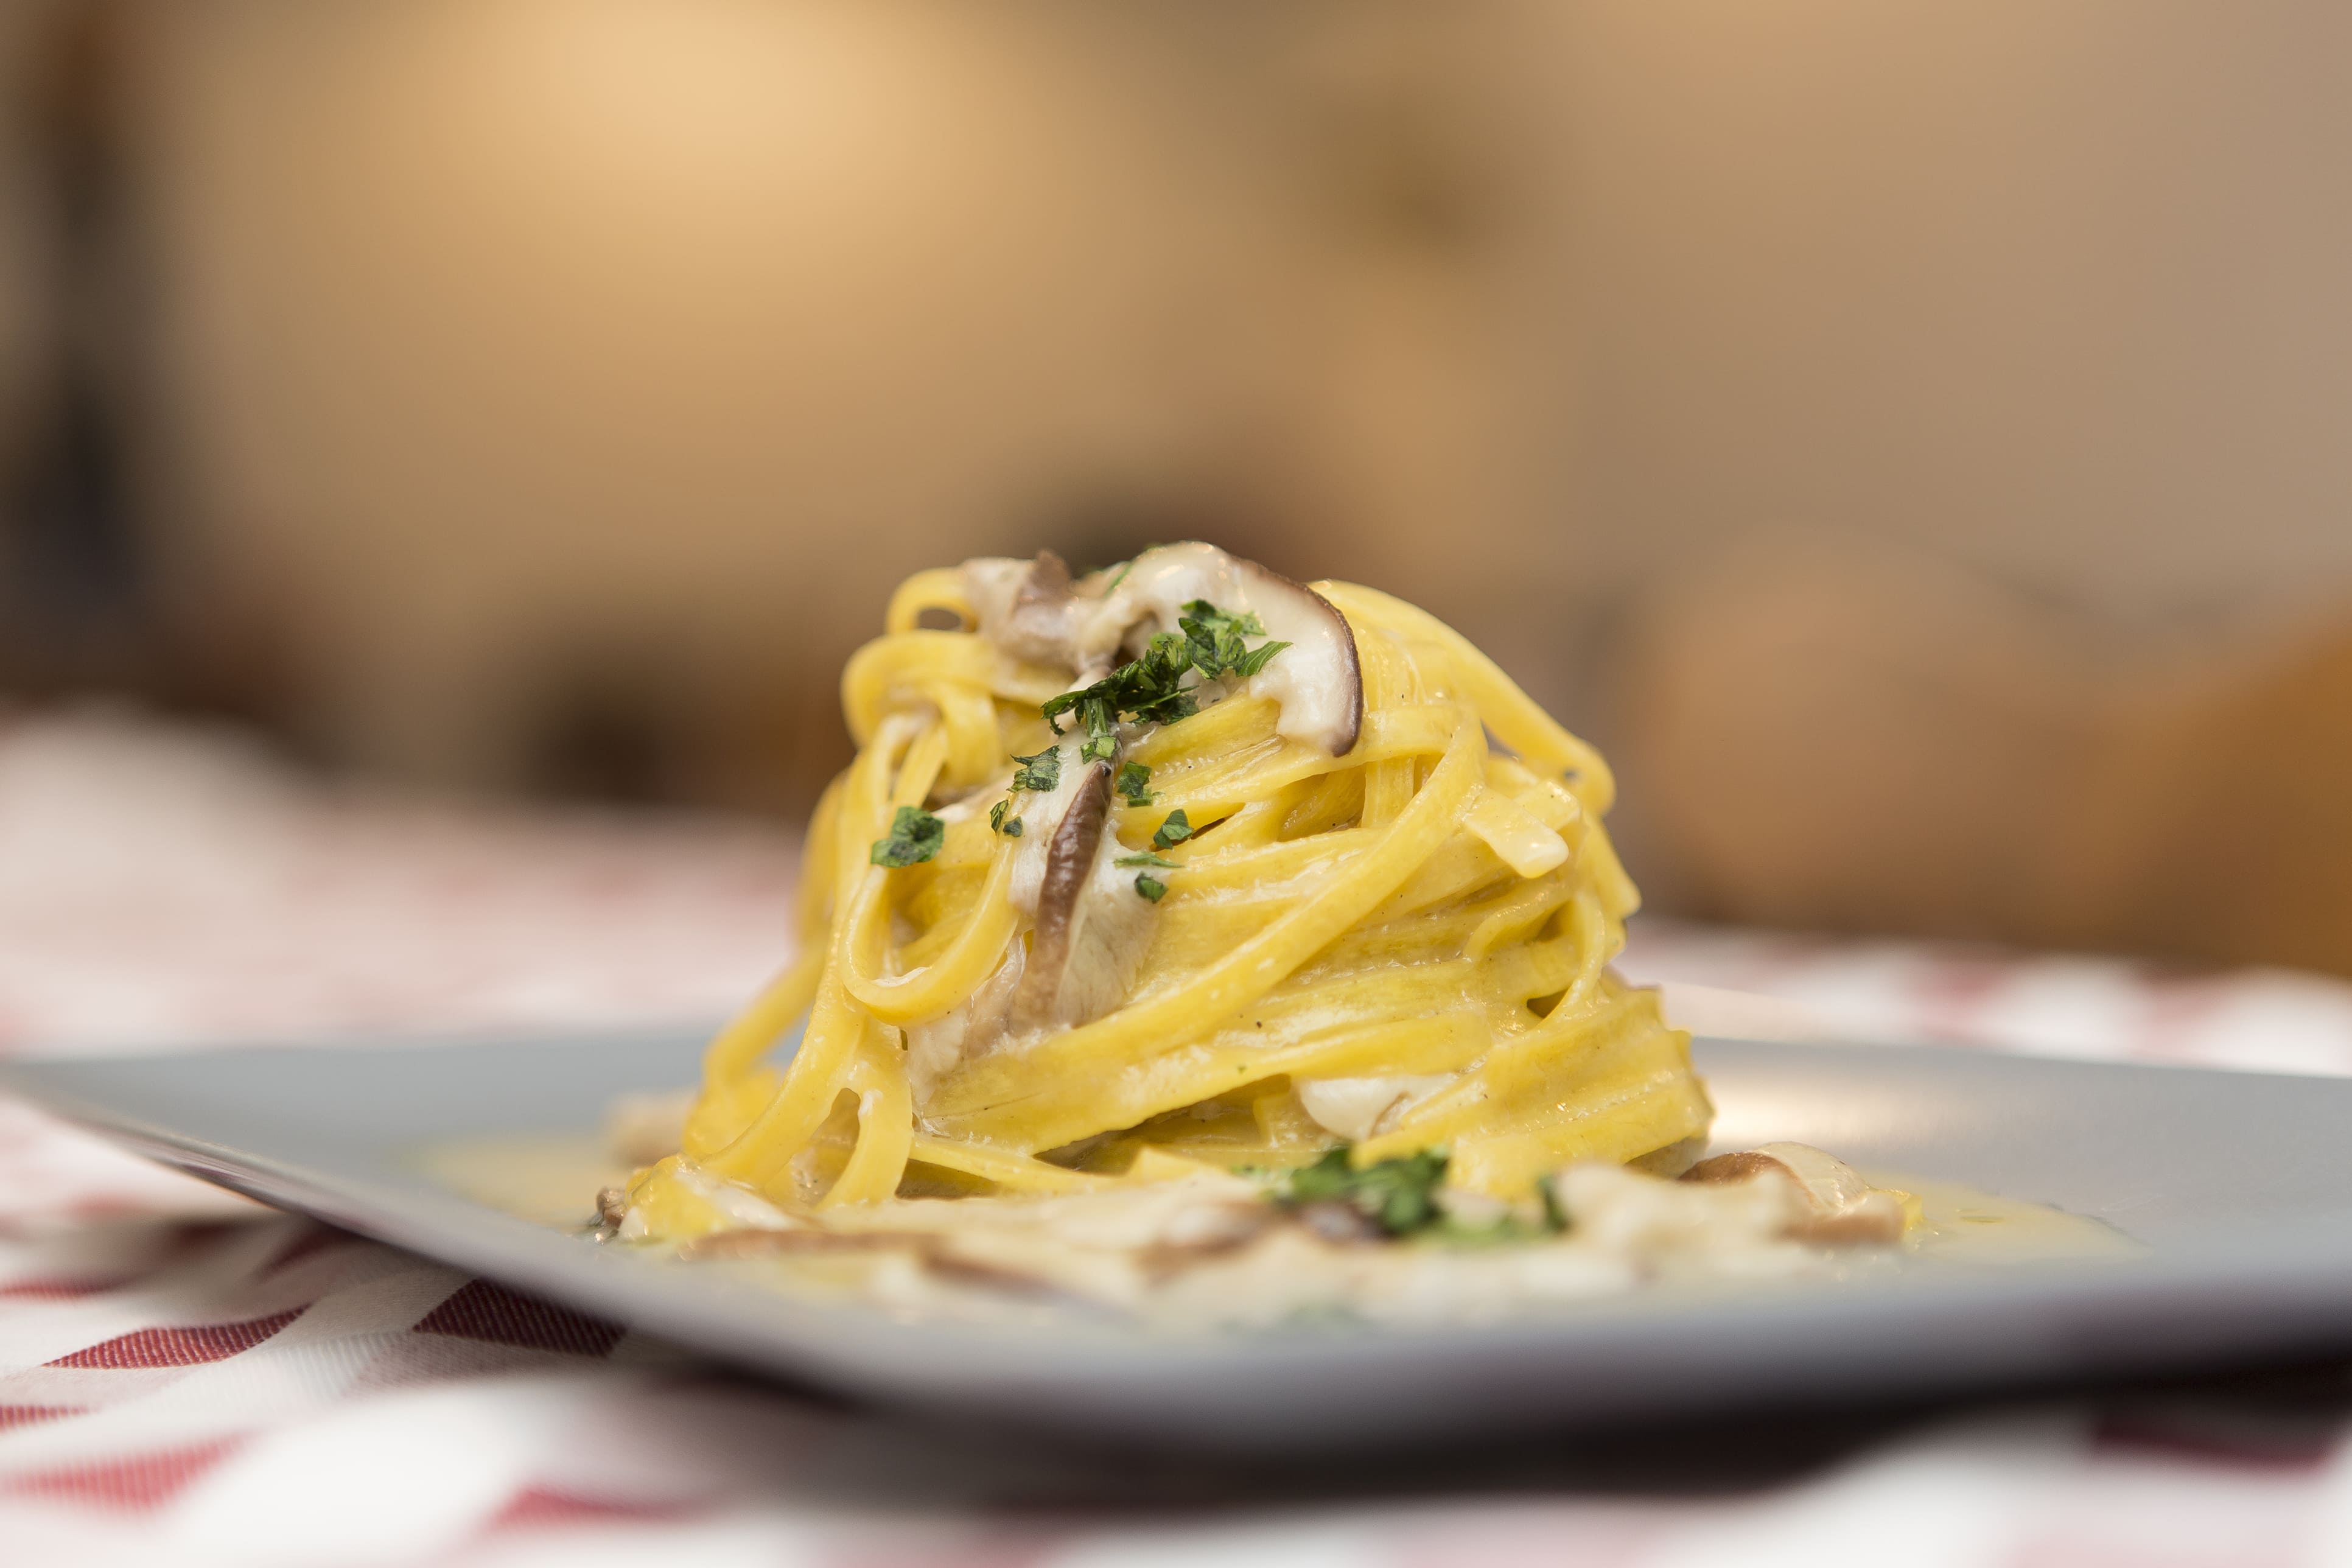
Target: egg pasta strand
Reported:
point(1369, 926)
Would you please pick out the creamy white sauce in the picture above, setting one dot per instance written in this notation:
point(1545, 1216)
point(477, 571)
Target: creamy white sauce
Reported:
point(971, 1028)
point(1210, 1252)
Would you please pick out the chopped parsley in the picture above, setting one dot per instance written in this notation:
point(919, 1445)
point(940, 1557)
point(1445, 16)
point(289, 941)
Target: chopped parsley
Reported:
point(1133, 782)
point(1399, 1196)
point(1145, 860)
point(1147, 689)
point(996, 819)
point(1151, 886)
point(1151, 688)
point(1555, 1216)
point(1213, 639)
point(1042, 772)
point(915, 836)
point(1174, 831)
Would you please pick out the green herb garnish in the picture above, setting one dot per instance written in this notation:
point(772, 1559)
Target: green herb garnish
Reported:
point(1151, 886)
point(1400, 1195)
point(1132, 782)
point(915, 836)
point(1042, 772)
point(1145, 860)
point(1174, 831)
point(1146, 689)
point(996, 819)
point(1213, 639)
point(1151, 688)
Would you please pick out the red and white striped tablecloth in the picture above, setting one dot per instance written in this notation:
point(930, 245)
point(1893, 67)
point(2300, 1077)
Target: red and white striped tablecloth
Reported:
point(187, 1378)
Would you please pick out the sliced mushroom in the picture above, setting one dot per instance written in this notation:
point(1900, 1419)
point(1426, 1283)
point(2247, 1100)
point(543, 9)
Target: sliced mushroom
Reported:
point(1356, 1108)
point(1020, 993)
point(967, 1031)
point(1316, 679)
point(1842, 1209)
point(991, 582)
point(1028, 609)
point(1092, 925)
point(1033, 611)
point(1211, 1229)
point(1042, 813)
point(1070, 856)
point(1662, 1226)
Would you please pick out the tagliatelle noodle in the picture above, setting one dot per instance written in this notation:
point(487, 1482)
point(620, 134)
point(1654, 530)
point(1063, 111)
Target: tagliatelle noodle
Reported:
point(1421, 909)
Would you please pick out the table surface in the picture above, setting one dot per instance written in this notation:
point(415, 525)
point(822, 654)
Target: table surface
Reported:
point(186, 1377)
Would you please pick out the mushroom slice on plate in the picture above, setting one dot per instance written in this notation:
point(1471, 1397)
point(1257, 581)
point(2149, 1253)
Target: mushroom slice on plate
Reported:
point(1842, 1209)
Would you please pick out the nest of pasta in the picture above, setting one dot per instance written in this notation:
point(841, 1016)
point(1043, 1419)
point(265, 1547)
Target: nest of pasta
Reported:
point(1181, 864)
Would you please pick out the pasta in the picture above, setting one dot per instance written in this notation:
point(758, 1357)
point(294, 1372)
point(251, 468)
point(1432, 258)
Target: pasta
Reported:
point(1182, 865)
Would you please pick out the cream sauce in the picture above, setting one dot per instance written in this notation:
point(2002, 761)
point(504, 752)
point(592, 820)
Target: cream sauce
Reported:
point(553, 1180)
point(1968, 1227)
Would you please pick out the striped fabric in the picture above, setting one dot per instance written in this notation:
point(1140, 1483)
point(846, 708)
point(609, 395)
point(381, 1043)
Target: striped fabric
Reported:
point(186, 1378)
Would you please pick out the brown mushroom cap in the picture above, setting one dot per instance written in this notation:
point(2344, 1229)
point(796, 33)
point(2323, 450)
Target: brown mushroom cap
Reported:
point(1317, 679)
point(1033, 611)
point(1093, 926)
point(1070, 857)
point(1738, 1166)
point(1843, 1208)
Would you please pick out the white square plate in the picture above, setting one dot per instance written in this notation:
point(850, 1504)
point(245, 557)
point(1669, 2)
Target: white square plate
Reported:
point(2239, 1184)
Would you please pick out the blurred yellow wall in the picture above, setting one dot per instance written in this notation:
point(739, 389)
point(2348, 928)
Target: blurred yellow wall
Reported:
point(2057, 289)
point(521, 357)
point(510, 333)
point(517, 324)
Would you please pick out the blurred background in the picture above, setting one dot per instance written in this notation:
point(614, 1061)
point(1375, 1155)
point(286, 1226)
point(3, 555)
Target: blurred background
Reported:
point(1915, 441)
